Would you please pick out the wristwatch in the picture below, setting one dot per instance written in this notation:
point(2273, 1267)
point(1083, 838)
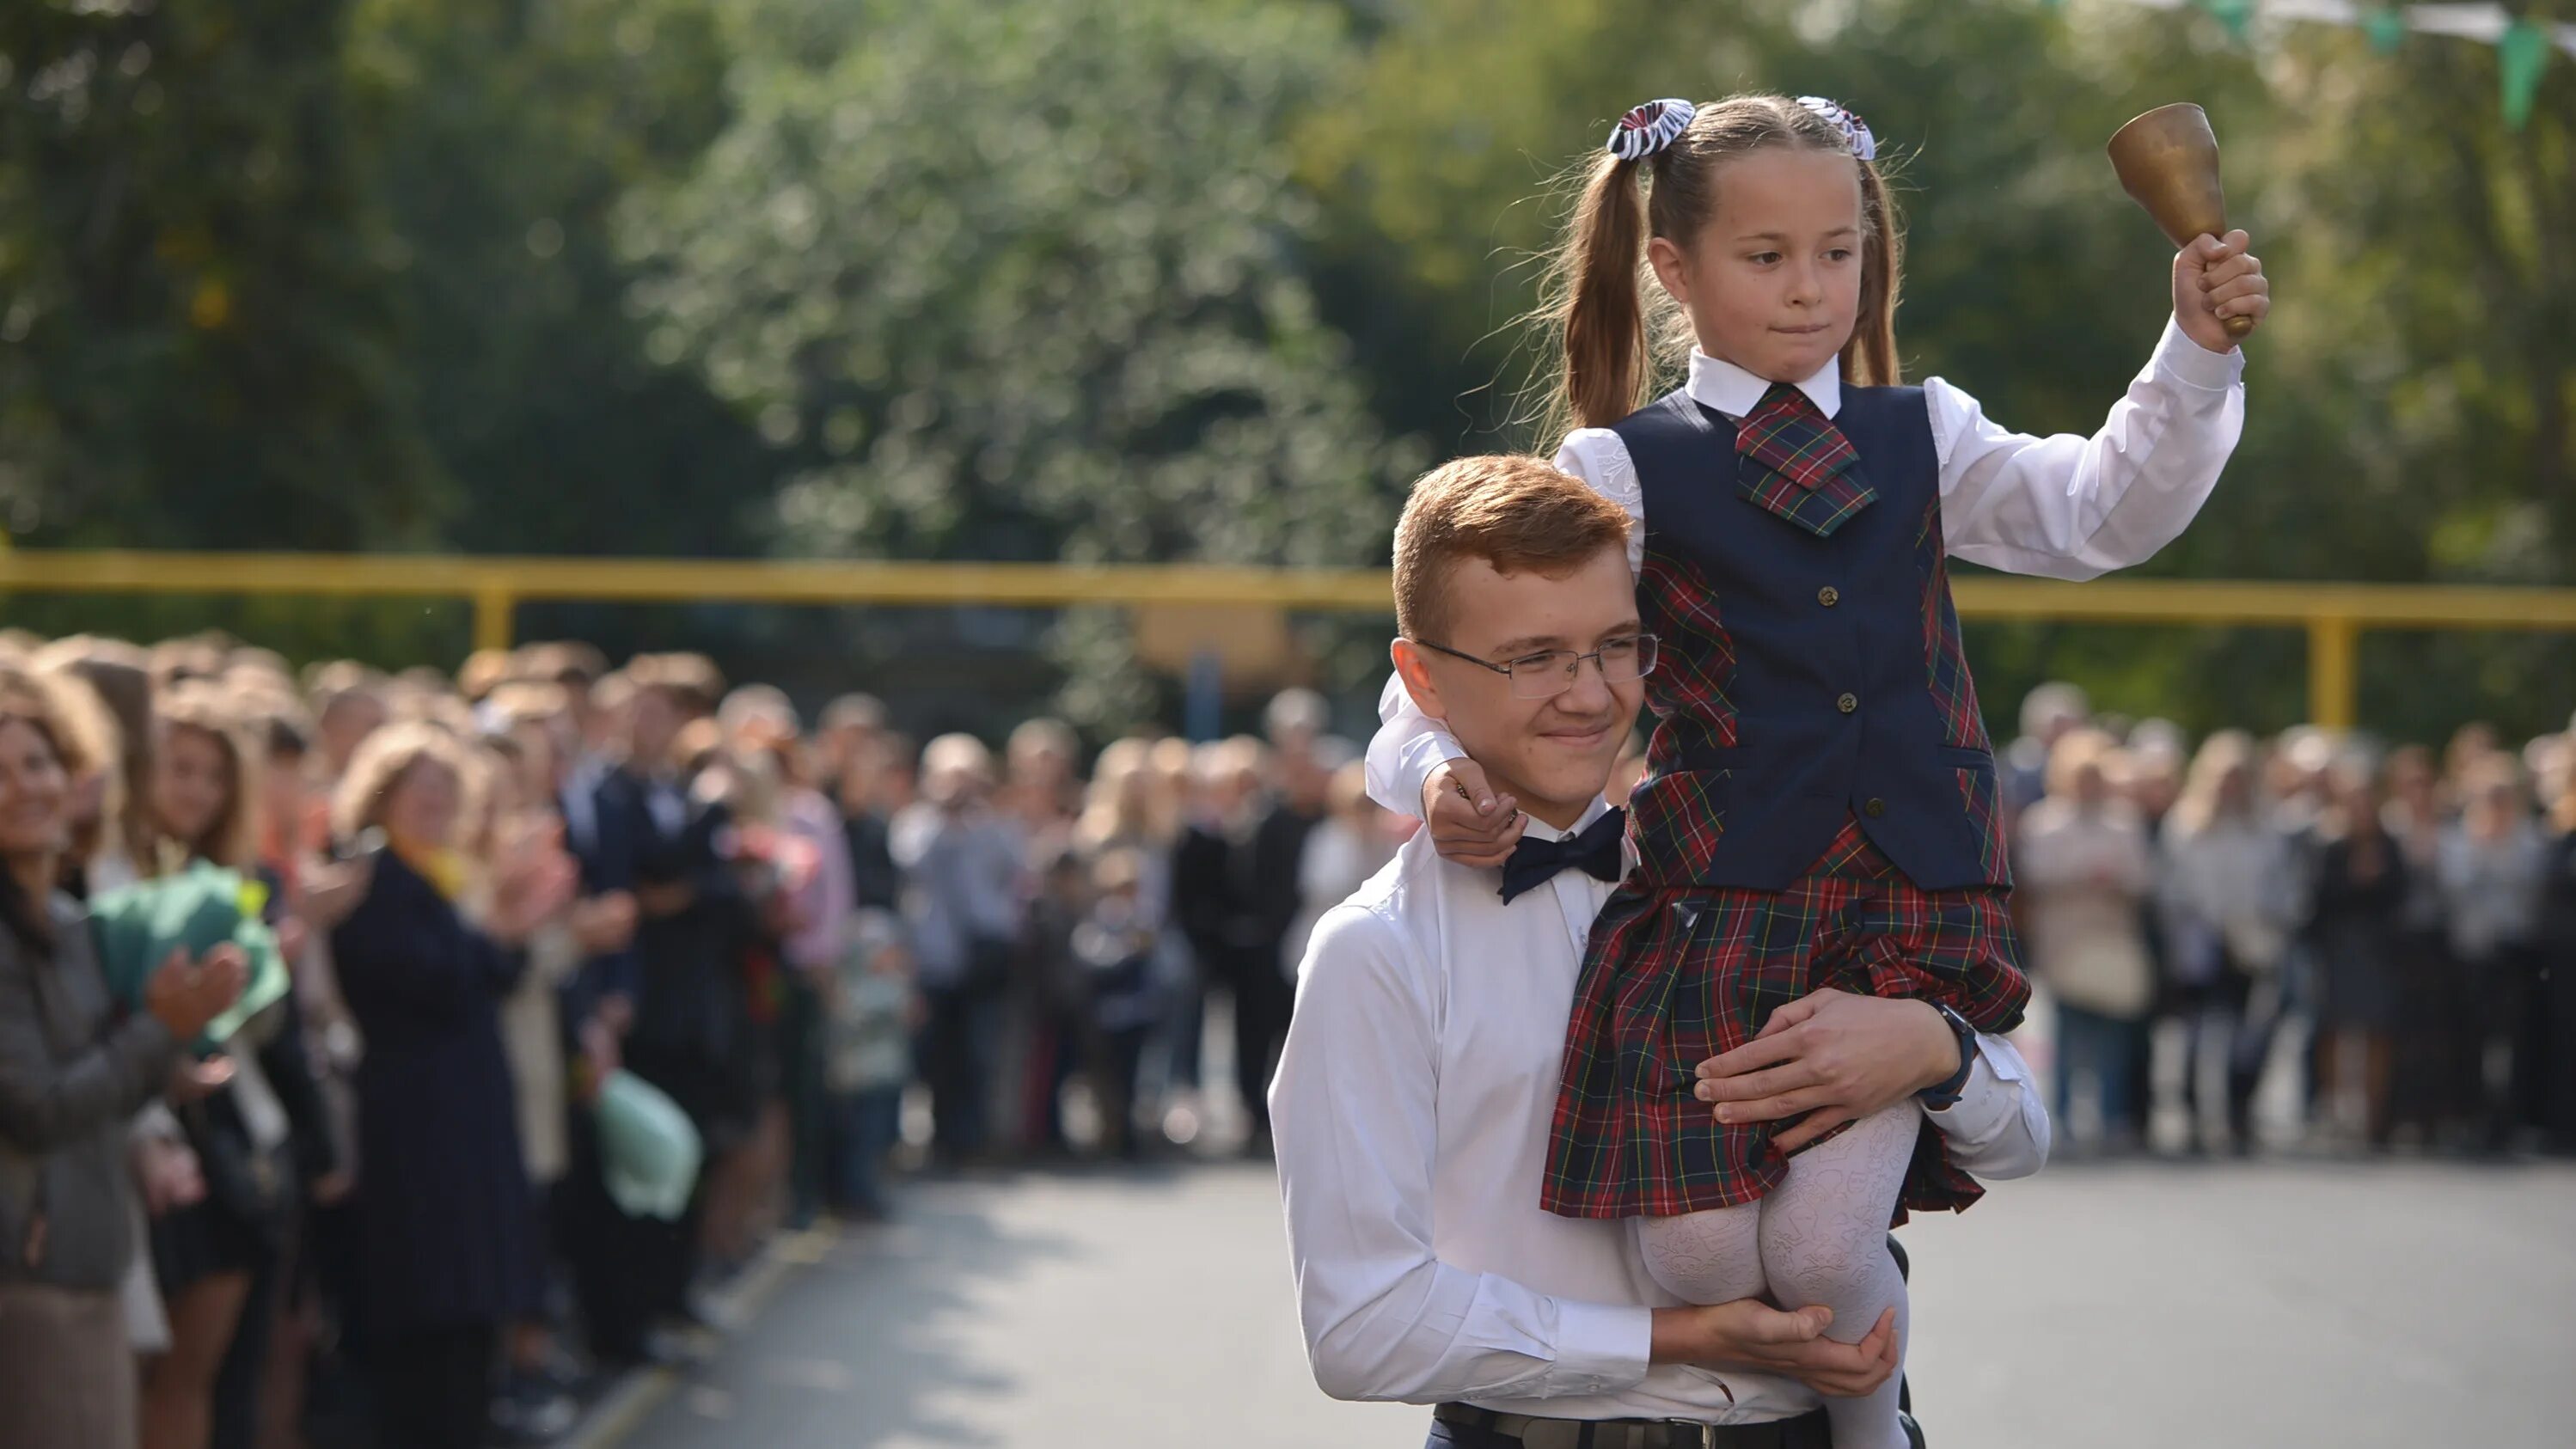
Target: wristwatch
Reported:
point(1943, 1095)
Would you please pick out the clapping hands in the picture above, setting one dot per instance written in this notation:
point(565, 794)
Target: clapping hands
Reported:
point(185, 995)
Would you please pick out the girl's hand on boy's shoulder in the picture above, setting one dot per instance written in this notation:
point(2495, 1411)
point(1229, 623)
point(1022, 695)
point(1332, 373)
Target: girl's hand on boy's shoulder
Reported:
point(2214, 279)
point(1468, 822)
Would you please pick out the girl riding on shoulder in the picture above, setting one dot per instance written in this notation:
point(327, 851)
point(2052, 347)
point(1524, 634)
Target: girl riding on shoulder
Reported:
point(1819, 807)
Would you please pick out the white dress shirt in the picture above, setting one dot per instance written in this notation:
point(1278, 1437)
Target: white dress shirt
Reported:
point(2066, 507)
point(1411, 1114)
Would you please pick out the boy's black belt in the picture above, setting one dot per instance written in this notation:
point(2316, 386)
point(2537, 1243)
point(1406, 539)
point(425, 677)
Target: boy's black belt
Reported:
point(1806, 1431)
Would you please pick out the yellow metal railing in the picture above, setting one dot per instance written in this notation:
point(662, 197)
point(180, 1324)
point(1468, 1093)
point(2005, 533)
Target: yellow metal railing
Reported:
point(2334, 615)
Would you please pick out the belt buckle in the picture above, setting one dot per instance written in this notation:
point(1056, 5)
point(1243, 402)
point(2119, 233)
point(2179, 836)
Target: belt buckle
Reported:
point(1707, 1432)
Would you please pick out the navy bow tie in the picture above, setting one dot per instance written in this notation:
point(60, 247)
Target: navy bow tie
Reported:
point(1596, 852)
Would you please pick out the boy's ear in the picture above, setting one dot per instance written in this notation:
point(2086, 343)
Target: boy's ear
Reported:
point(1414, 669)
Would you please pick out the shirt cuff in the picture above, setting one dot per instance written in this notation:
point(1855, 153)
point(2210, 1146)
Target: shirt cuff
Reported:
point(1424, 753)
point(1985, 1102)
point(1601, 1348)
point(2187, 362)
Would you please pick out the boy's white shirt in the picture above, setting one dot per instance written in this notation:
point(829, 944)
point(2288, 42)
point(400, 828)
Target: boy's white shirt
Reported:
point(2064, 507)
point(1411, 1115)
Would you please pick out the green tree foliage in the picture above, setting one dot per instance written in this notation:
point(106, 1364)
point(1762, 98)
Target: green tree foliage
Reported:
point(1025, 281)
point(501, 135)
point(194, 339)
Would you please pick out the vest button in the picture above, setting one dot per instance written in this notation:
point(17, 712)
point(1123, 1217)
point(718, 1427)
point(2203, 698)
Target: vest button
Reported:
point(1875, 808)
point(1829, 596)
point(1847, 703)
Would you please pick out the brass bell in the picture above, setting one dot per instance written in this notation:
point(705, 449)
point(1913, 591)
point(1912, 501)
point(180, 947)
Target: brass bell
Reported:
point(2168, 163)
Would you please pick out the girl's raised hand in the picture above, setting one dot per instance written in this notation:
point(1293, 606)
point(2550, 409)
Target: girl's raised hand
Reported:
point(1468, 822)
point(2216, 278)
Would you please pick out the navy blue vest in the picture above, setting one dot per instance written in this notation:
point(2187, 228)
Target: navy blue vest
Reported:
point(1808, 680)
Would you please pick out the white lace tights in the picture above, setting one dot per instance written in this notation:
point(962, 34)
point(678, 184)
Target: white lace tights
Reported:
point(1820, 1237)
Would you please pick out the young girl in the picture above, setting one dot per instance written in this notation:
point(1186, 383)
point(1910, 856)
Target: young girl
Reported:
point(1819, 806)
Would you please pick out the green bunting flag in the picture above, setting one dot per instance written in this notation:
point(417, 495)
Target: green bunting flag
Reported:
point(2387, 29)
point(2522, 53)
point(2236, 15)
point(2522, 42)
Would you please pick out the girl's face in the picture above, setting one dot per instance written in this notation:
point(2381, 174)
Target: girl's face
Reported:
point(35, 793)
point(420, 812)
point(1772, 279)
point(191, 783)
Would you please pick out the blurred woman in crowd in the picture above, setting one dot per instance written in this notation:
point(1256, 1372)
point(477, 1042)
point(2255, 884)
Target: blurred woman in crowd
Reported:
point(862, 762)
point(817, 913)
point(2356, 927)
point(1213, 899)
point(114, 676)
point(1182, 1034)
point(2230, 896)
point(261, 1139)
point(964, 897)
point(1131, 808)
point(448, 1250)
point(2492, 864)
point(522, 769)
point(775, 877)
point(2433, 1080)
point(1121, 989)
point(2083, 866)
point(1042, 787)
point(73, 1072)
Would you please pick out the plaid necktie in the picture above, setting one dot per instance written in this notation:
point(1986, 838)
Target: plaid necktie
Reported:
point(1797, 464)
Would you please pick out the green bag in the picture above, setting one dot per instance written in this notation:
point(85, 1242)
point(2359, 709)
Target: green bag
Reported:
point(648, 1149)
point(137, 926)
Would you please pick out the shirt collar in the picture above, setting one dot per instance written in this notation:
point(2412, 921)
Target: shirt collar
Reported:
point(1736, 392)
point(1541, 830)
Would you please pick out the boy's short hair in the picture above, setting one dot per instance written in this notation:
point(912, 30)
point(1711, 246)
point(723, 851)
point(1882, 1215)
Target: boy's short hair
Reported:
point(1517, 513)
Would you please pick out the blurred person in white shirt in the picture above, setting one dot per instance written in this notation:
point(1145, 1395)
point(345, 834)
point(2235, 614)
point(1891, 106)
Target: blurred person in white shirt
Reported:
point(2231, 892)
point(2083, 864)
point(2492, 865)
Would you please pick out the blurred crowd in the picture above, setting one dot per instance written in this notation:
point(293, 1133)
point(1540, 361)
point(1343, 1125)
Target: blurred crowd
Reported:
point(383, 1211)
point(2385, 935)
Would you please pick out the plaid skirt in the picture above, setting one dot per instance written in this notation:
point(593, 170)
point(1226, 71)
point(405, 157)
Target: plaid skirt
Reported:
point(1673, 977)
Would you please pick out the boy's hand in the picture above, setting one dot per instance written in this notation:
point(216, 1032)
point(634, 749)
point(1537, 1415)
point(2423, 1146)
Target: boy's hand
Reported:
point(1750, 1334)
point(2216, 278)
point(1828, 1058)
point(1468, 822)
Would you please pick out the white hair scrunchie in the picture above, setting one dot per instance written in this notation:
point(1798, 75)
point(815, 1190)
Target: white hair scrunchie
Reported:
point(1848, 121)
point(1650, 128)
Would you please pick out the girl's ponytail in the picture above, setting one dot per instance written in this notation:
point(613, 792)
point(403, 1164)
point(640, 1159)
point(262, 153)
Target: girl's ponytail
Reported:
point(1869, 359)
point(1604, 362)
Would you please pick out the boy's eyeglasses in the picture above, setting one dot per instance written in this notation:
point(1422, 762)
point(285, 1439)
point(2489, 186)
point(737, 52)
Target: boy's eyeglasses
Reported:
point(1551, 672)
